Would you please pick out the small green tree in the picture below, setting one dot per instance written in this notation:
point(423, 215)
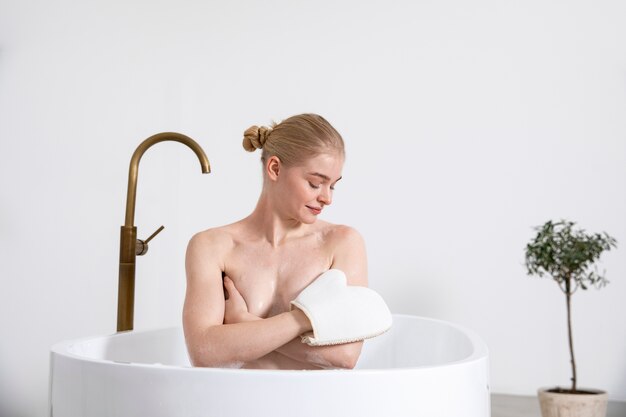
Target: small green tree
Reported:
point(566, 256)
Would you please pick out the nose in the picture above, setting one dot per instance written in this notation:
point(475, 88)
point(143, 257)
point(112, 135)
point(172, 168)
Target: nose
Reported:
point(326, 196)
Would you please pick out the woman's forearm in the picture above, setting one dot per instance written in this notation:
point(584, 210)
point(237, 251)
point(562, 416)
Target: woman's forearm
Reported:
point(329, 357)
point(342, 356)
point(246, 341)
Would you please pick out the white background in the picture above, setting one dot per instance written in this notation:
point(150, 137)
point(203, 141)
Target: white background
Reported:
point(466, 124)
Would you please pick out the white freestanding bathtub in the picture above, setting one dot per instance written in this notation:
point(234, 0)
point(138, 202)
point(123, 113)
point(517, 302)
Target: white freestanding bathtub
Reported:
point(421, 367)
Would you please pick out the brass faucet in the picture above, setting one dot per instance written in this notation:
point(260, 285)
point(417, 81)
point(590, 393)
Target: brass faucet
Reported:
point(130, 246)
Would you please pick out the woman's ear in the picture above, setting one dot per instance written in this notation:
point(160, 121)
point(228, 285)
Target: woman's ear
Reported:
point(272, 167)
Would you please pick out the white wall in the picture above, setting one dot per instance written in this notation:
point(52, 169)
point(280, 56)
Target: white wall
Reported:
point(466, 124)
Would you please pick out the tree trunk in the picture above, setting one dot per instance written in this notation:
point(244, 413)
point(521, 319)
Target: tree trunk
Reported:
point(568, 295)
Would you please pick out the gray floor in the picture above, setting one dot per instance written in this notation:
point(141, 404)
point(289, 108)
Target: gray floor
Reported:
point(503, 405)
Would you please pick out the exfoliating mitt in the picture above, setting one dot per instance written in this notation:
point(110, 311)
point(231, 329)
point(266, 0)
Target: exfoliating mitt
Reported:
point(341, 313)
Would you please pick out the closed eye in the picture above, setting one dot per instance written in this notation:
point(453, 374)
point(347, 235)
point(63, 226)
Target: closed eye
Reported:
point(332, 187)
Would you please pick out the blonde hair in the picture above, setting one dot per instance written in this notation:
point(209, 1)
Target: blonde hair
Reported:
point(295, 139)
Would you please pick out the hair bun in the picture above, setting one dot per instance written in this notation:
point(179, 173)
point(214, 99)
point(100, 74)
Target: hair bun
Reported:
point(255, 137)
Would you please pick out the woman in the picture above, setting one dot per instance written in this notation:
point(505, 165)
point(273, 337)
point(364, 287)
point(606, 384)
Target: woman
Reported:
point(266, 259)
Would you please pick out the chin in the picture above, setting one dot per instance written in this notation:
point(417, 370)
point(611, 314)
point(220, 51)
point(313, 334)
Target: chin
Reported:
point(308, 219)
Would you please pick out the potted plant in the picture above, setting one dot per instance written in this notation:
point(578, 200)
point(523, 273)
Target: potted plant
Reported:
point(566, 255)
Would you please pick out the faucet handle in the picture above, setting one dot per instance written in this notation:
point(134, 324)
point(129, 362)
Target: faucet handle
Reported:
point(141, 246)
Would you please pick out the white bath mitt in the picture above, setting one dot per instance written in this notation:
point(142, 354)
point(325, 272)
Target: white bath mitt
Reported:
point(341, 313)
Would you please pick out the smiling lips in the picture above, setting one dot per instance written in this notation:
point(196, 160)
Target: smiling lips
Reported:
point(315, 210)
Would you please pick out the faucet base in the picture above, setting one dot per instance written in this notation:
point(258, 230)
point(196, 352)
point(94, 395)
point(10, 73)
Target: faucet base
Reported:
point(126, 285)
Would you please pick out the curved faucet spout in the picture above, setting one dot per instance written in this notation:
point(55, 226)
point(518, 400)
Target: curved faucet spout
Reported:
point(128, 232)
point(134, 166)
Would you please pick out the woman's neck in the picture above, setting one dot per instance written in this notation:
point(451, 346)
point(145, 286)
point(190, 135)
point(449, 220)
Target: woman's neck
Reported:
point(273, 226)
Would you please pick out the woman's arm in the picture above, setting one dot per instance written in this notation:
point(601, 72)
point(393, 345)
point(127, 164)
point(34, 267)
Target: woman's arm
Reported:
point(209, 341)
point(344, 356)
point(350, 257)
point(340, 355)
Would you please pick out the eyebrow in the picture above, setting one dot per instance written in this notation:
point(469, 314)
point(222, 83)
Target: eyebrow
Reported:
point(326, 177)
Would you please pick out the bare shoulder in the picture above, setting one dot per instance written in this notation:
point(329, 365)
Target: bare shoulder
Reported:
point(341, 235)
point(210, 245)
point(218, 236)
point(348, 252)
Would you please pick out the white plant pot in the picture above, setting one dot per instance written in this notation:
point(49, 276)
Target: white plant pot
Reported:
point(555, 404)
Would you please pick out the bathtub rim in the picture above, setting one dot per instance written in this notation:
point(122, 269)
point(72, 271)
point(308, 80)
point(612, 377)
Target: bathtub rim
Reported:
point(480, 352)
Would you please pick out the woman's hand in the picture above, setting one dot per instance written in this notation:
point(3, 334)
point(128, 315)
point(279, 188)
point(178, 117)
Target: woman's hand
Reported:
point(236, 309)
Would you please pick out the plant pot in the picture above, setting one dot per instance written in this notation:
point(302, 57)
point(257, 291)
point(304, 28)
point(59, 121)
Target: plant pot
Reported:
point(588, 403)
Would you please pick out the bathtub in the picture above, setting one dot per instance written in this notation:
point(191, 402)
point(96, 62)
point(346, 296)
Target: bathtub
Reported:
point(421, 367)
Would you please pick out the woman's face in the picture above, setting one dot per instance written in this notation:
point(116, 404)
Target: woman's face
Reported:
point(304, 190)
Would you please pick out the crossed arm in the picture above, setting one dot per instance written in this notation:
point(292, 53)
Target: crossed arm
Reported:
point(222, 332)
